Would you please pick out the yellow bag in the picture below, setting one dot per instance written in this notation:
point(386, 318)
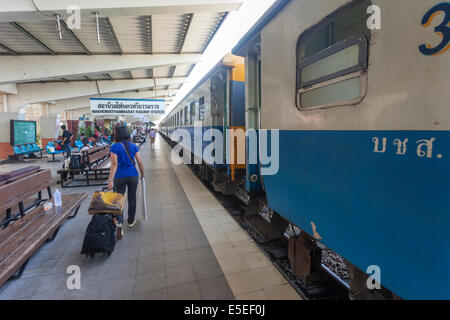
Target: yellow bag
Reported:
point(106, 203)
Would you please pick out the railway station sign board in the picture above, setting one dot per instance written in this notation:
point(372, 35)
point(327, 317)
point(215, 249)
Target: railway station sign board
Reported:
point(153, 108)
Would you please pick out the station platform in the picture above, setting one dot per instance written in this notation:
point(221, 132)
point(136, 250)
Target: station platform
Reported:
point(188, 248)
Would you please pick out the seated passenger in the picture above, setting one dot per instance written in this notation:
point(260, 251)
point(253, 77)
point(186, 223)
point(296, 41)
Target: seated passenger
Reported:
point(86, 145)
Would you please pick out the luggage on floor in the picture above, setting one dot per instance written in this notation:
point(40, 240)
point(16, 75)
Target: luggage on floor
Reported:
point(75, 162)
point(100, 236)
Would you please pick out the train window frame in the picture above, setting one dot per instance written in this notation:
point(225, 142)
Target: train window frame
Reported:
point(201, 108)
point(340, 77)
point(192, 113)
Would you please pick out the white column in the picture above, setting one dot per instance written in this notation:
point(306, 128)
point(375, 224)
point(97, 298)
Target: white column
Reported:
point(4, 103)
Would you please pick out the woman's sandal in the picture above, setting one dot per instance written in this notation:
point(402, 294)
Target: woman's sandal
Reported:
point(119, 233)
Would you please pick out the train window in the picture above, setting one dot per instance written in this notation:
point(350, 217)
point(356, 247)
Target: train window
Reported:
point(186, 115)
point(201, 108)
point(192, 112)
point(332, 59)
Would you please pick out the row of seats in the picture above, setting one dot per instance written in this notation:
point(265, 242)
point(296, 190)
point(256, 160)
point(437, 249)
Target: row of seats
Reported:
point(26, 149)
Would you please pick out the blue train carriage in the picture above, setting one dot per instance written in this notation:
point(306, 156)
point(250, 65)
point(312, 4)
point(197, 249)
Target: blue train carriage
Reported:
point(359, 93)
point(214, 107)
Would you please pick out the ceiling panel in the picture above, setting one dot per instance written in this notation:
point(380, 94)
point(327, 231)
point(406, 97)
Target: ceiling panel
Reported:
point(46, 32)
point(203, 27)
point(17, 41)
point(133, 33)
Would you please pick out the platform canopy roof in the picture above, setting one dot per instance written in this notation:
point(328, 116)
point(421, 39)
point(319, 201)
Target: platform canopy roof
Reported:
point(156, 40)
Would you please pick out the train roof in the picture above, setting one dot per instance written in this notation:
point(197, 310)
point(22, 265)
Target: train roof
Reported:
point(221, 64)
point(240, 48)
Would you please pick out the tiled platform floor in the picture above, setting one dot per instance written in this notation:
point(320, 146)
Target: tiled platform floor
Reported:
point(188, 248)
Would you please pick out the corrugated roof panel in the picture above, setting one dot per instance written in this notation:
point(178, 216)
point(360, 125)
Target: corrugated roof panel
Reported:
point(203, 27)
point(167, 31)
point(17, 41)
point(133, 33)
point(47, 33)
point(88, 36)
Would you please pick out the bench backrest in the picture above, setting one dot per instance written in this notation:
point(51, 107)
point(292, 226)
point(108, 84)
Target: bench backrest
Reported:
point(10, 176)
point(93, 155)
point(23, 188)
point(24, 148)
point(17, 150)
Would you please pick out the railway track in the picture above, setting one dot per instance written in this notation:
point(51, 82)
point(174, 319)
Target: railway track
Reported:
point(322, 285)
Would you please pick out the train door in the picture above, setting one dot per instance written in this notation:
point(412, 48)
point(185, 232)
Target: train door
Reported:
point(218, 109)
point(252, 120)
point(235, 117)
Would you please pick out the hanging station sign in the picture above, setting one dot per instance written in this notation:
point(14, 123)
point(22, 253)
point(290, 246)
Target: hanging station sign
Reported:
point(127, 107)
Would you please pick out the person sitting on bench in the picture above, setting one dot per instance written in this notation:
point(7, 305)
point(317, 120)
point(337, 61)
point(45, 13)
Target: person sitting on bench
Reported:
point(86, 145)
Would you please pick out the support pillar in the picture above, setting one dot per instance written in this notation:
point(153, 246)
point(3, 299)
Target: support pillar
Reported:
point(5, 141)
point(49, 129)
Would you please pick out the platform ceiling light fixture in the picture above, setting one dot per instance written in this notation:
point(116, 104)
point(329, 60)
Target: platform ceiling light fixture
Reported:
point(58, 26)
point(97, 25)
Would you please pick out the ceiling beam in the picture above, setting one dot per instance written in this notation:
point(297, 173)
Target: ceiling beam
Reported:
point(30, 36)
point(29, 93)
point(150, 34)
point(38, 68)
point(111, 28)
point(24, 10)
point(212, 35)
point(184, 34)
point(69, 31)
point(10, 51)
point(8, 88)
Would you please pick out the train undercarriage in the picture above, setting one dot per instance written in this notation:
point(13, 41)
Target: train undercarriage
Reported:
point(307, 259)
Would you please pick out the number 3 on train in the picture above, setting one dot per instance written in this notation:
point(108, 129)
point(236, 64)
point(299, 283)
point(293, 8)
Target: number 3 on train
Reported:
point(443, 30)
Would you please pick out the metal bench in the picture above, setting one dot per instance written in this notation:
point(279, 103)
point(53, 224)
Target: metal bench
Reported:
point(53, 152)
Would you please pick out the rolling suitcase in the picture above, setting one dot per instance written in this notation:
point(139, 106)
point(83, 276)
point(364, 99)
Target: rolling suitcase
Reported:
point(100, 236)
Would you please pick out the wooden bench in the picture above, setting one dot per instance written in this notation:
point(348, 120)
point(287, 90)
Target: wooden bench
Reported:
point(95, 156)
point(95, 164)
point(24, 231)
point(7, 177)
point(20, 240)
point(19, 188)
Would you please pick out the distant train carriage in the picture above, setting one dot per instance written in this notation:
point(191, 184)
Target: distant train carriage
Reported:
point(217, 102)
point(360, 93)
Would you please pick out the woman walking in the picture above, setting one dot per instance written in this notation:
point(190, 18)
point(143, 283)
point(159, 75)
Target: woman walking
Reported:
point(123, 173)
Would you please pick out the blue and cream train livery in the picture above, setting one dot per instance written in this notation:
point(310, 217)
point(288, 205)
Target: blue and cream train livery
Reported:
point(359, 94)
point(216, 103)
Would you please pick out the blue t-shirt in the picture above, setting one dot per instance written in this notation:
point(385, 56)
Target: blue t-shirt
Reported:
point(125, 167)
